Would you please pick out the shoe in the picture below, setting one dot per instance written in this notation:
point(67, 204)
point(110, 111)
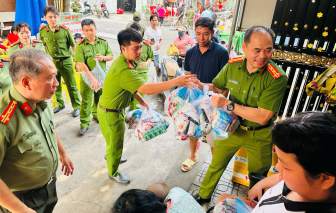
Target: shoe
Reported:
point(83, 130)
point(76, 112)
point(57, 109)
point(122, 160)
point(200, 200)
point(96, 119)
point(120, 179)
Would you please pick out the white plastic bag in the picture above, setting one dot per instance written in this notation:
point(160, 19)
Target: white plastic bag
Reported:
point(150, 124)
point(99, 75)
point(224, 123)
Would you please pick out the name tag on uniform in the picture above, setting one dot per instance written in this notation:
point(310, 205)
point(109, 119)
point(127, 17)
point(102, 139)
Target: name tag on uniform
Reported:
point(234, 81)
point(87, 51)
point(28, 135)
point(45, 38)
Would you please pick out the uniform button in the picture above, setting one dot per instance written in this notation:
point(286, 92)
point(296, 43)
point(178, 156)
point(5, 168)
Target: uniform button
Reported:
point(231, 88)
point(249, 76)
point(32, 146)
point(244, 91)
point(55, 47)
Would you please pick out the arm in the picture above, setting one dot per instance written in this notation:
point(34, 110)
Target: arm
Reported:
point(9, 201)
point(266, 183)
point(139, 98)
point(159, 45)
point(212, 87)
point(145, 64)
point(67, 165)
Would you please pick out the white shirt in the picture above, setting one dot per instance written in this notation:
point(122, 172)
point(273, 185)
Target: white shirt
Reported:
point(156, 34)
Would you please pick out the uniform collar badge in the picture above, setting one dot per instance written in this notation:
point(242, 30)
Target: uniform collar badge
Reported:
point(26, 108)
point(33, 44)
point(1, 65)
point(8, 112)
point(58, 28)
point(21, 45)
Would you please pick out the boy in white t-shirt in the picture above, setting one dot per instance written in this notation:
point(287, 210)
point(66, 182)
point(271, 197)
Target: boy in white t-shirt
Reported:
point(153, 35)
point(306, 182)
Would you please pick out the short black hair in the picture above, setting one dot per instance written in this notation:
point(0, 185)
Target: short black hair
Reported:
point(50, 8)
point(126, 36)
point(205, 22)
point(139, 201)
point(256, 29)
point(191, 6)
point(310, 136)
point(13, 28)
point(136, 26)
point(88, 22)
point(153, 16)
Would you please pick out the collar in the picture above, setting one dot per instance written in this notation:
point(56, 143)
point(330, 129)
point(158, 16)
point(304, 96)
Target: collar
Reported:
point(88, 42)
point(128, 62)
point(23, 103)
point(242, 64)
point(212, 45)
point(58, 28)
point(31, 43)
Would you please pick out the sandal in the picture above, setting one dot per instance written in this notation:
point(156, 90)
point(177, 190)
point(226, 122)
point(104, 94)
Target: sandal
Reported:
point(189, 163)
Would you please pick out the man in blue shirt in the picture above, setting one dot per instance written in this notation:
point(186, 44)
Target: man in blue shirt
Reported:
point(205, 59)
point(207, 13)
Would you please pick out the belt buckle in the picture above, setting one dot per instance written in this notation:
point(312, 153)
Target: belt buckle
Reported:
point(244, 127)
point(57, 60)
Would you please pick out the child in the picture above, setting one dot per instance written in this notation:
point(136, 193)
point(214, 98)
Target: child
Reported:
point(305, 146)
point(13, 36)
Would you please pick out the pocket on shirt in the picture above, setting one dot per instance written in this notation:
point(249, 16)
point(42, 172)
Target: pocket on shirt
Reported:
point(30, 147)
point(255, 95)
point(61, 41)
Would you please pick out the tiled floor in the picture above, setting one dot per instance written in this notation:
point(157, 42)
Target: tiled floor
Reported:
point(225, 184)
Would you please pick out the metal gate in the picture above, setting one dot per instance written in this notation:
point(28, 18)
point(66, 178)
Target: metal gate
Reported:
point(305, 46)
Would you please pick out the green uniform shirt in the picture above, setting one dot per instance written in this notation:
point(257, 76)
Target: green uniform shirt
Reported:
point(57, 43)
point(17, 46)
point(28, 145)
point(5, 79)
point(86, 52)
point(190, 14)
point(259, 89)
point(121, 83)
point(147, 53)
point(75, 5)
point(143, 28)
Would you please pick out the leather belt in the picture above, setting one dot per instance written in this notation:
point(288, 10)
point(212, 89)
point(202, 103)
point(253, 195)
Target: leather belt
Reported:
point(253, 128)
point(19, 193)
point(109, 110)
point(60, 59)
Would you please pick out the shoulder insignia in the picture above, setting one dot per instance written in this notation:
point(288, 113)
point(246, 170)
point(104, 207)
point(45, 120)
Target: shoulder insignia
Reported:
point(8, 113)
point(26, 108)
point(42, 27)
point(130, 65)
point(15, 43)
point(147, 43)
point(102, 38)
point(5, 59)
point(234, 60)
point(1, 65)
point(274, 72)
point(37, 41)
point(64, 27)
point(81, 41)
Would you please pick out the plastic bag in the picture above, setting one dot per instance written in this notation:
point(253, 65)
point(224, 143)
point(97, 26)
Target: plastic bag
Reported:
point(224, 124)
point(178, 97)
point(98, 73)
point(173, 50)
point(232, 205)
point(150, 124)
point(132, 118)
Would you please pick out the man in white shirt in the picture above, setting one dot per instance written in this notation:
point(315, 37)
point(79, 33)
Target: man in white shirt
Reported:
point(153, 35)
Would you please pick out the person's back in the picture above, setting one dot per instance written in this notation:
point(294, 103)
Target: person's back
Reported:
point(206, 13)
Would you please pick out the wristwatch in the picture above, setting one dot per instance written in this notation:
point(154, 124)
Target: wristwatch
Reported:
point(230, 106)
point(104, 58)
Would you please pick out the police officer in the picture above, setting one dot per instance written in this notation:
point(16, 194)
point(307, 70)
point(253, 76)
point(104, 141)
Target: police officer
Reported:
point(57, 40)
point(24, 42)
point(190, 17)
point(5, 79)
point(136, 19)
point(30, 147)
point(123, 84)
point(76, 7)
point(147, 56)
point(257, 86)
point(87, 50)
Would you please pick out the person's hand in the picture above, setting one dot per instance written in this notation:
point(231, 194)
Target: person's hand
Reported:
point(145, 104)
point(219, 101)
point(158, 47)
point(100, 57)
point(28, 210)
point(143, 64)
point(189, 81)
point(152, 42)
point(77, 68)
point(67, 165)
point(256, 191)
point(94, 84)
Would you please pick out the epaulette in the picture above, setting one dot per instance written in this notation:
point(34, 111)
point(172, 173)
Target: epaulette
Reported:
point(81, 41)
point(147, 43)
point(234, 60)
point(5, 59)
point(130, 65)
point(64, 27)
point(37, 41)
point(15, 43)
point(1, 65)
point(42, 27)
point(102, 38)
point(274, 72)
point(8, 112)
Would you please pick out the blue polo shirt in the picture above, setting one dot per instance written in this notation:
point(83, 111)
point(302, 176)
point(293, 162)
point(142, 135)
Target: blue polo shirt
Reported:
point(207, 65)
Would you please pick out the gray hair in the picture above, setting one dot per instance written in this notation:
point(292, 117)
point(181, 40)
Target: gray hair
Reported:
point(26, 63)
